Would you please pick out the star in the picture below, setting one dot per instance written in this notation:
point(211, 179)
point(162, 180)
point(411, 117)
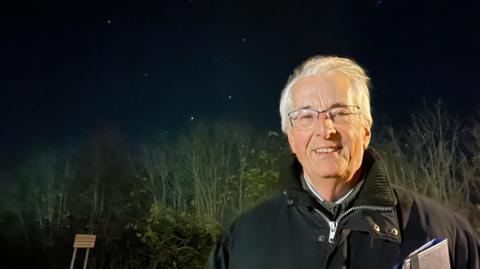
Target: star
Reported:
point(145, 74)
point(109, 21)
point(244, 39)
point(230, 97)
point(191, 118)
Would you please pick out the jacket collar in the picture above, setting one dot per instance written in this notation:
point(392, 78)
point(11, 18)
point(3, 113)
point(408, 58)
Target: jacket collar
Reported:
point(376, 191)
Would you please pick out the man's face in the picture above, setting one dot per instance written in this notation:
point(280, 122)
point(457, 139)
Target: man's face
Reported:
point(330, 150)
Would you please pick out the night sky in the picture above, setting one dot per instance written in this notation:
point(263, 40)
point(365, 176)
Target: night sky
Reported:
point(64, 76)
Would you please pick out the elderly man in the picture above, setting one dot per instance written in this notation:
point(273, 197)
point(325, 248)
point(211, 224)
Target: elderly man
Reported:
point(340, 210)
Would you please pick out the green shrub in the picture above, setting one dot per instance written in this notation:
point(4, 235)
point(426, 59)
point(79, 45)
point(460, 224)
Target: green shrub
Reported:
point(178, 240)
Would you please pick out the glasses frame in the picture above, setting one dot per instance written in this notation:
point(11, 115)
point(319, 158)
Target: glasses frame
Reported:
point(327, 111)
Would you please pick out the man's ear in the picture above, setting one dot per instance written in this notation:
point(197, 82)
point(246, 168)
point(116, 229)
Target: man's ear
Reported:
point(367, 136)
point(291, 140)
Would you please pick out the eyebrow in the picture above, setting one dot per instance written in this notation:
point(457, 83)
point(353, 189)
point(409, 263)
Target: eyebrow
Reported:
point(338, 104)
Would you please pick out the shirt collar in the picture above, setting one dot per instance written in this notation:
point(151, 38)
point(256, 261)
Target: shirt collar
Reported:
point(307, 185)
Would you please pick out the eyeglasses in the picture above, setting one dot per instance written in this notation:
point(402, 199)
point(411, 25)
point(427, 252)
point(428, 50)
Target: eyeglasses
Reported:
point(305, 118)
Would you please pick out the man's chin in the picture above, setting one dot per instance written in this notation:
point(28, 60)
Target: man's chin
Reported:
point(326, 175)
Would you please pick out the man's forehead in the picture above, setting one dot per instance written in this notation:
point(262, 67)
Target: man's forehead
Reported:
point(334, 79)
point(329, 89)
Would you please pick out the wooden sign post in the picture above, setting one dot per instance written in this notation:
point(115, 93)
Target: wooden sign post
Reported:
point(82, 241)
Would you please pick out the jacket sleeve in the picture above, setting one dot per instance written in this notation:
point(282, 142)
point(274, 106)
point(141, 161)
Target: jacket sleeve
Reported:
point(219, 257)
point(467, 249)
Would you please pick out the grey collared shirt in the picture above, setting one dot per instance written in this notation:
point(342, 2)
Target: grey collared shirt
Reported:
point(337, 207)
point(317, 195)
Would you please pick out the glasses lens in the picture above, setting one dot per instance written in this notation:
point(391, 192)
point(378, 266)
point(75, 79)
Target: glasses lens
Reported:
point(339, 113)
point(304, 118)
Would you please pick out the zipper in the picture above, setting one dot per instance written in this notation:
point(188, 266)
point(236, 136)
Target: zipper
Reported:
point(333, 225)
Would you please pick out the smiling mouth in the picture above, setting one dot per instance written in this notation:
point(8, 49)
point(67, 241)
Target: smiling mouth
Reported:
point(326, 150)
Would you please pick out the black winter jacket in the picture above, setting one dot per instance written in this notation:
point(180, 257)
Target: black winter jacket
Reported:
point(384, 224)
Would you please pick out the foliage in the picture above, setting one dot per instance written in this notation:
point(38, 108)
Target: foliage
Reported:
point(178, 239)
point(215, 171)
point(37, 203)
point(259, 179)
point(430, 157)
point(162, 205)
point(206, 177)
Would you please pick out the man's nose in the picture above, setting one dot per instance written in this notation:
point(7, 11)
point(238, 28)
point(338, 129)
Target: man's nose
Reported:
point(324, 126)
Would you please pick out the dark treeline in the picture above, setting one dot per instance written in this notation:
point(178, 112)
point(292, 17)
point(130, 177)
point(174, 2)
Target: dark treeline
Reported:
point(158, 206)
point(164, 204)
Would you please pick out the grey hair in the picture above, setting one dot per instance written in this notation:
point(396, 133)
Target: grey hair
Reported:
point(325, 65)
